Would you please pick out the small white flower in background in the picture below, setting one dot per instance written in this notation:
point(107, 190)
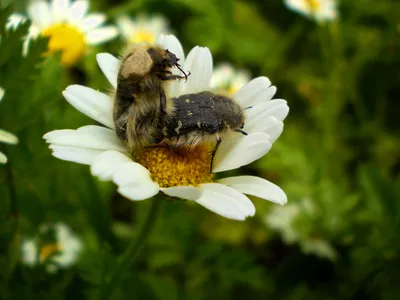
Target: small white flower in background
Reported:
point(142, 28)
point(6, 137)
point(68, 25)
point(55, 246)
point(286, 221)
point(320, 10)
point(186, 175)
point(226, 78)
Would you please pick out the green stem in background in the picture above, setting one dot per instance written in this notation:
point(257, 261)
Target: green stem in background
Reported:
point(130, 255)
point(14, 243)
point(12, 190)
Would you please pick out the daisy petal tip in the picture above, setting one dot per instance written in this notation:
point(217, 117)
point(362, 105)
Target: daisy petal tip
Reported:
point(238, 218)
point(46, 135)
point(169, 36)
point(70, 89)
point(252, 212)
point(279, 197)
point(255, 146)
point(139, 194)
point(104, 56)
point(261, 81)
point(284, 200)
point(100, 56)
point(106, 164)
point(183, 192)
point(205, 50)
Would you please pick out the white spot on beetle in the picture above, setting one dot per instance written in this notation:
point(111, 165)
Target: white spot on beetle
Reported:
point(179, 127)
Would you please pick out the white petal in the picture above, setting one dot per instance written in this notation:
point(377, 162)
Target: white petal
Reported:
point(94, 104)
point(8, 138)
point(269, 125)
point(134, 182)
point(274, 129)
point(244, 202)
point(255, 89)
point(33, 34)
point(101, 35)
point(241, 152)
point(60, 9)
point(3, 158)
point(268, 109)
point(2, 92)
point(172, 44)
point(78, 155)
point(264, 96)
point(92, 21)
point(89, 137)
point(226, 201)
point(183, 192)
point(158, 24)
point(126, 26)
point(110, 66)
point(107, 163)
point(280, 111)
point(222, 74)
point(130, 174)
point(256, 186)
point(14, 20)
point(143, 192)
point(29, 252)
point(40, 13)
point(79, 9)
point(199, 63)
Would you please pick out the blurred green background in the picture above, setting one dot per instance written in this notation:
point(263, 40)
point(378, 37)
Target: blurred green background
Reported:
point(338, 160)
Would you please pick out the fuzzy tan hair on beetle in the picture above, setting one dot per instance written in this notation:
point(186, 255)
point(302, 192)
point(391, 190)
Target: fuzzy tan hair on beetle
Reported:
point(140, 98)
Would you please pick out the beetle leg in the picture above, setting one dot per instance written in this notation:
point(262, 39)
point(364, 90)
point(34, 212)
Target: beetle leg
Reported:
point(214, 151)
point(163, 101)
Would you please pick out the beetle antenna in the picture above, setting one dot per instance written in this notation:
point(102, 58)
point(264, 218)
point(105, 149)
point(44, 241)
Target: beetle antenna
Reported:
point(241, 131)
point(184, 73)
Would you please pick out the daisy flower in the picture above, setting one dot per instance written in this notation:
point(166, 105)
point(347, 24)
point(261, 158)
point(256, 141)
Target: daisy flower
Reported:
point(185, 174)
point(320, 10)
point(55, 246)
point(287, 221)
point(142, 28)
point(226, 78)
point(69, 27)
point(6, 137)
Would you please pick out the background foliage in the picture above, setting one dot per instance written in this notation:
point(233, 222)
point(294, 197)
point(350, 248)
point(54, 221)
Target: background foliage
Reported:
point(338, 161)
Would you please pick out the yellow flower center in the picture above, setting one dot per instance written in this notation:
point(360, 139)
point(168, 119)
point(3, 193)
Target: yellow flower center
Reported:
point(48, 250)
point(143, 36)
point(233, 89)
point(180, 166)
point(67, 39)
point(314, 4)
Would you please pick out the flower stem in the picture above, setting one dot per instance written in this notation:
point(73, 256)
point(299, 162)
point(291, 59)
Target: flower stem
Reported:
point(133, 250)
point(12, 191)
point(14, 242)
